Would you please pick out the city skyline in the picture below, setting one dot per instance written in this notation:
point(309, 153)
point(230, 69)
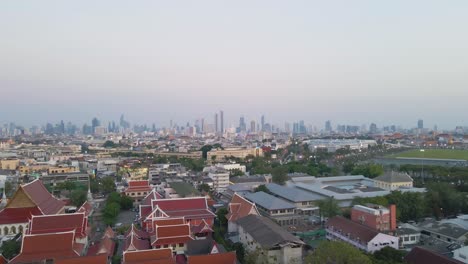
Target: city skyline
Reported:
point(352, 63)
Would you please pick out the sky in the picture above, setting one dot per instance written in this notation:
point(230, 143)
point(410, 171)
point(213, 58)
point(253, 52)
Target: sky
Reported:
point(353, 62)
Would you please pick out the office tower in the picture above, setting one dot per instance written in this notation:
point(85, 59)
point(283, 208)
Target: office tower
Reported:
point(373, 128)
point(216, 123)
point(287, 127)
point(203, 125)
point(252, 126)
point(221, 117)
point(262, 122)
point(95, 123)
point(328, 126)
point(420, 124)
point(242, 125)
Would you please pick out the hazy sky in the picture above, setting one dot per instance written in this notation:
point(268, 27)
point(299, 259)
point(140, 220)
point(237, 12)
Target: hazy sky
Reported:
point(356, 62)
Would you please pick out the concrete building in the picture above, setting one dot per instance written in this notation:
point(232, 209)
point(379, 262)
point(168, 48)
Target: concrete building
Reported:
point(364, 238)
point(304, 202)
point(392, 181)
point(375, 216)
point(220, 180)
point(282, 212)
point(278, 245)
point(240, 153)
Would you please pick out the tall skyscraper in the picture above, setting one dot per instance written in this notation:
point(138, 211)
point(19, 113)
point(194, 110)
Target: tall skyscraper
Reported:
point(242, 125)
point(420, 124)
point(262, 122)
point(216, 123)
point(328, 126)
point(252, 126)
point(221, 117)
point(203, 125)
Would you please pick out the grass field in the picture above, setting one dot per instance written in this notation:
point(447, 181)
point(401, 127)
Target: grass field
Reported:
point(433, 154)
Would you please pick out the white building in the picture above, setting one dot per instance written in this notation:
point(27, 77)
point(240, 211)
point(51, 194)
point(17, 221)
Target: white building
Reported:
point(220, 180)
point(461, 254)
point(278, 245)
point(363, 237)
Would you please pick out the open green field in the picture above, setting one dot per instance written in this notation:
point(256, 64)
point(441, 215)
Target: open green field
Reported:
point(433, 154)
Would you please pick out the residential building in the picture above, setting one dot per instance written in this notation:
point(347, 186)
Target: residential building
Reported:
point(360, 236)
point(419, 255)
point(461, 254)
point(277, 209)
point(375, 216)
point(278, 245)
point(220, 179)
point(238, 208)
point(241, 153)
point(304, 201)
point(408, 237)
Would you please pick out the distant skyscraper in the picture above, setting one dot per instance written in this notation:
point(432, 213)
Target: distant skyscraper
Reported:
point(328, 126)
point(373, 128)
point(221, 117)
point(252, 126)
point(420, 124)
point(242, 125)
point(262, 122)
point(216, 123)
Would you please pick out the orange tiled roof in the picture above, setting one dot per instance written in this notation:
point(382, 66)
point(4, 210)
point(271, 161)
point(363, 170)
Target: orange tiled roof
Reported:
point(38, 193)
point(240, 207)
point(101, 259)
point(156, 256)
point(220, 258)
point(46, 246)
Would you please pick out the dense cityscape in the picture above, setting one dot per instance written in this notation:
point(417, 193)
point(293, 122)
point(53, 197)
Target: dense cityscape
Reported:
point(233, 132)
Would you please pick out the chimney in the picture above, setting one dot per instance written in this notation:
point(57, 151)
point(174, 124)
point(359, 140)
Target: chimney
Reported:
point(393, 224)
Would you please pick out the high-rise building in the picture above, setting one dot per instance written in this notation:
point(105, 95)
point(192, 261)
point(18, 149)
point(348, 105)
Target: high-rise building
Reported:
point(262, 122)
point(221, 117)
point(242, 125)
point(373, 128)
point(203, 125)
point(328, 126)
point(420, 124)
point(252, 126)
point(216, 123)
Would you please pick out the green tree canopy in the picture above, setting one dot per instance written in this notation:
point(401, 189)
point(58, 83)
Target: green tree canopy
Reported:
point(78, 197)
point(337, 253)
point(329, 207)
point(126, 202)
point(10, 248)
point(279, 175)
point(262, 188)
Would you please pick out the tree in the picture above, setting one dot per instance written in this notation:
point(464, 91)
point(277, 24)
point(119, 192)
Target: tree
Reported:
point(236, 172)
point(337, 253)
point(389, 255)
point(261, 188)
point(240, 251)
point(204, 187)
point(8, 188)
point(11, 248)
point(348, 167)
point(107, 185)
point(221, 215)
point(329, 207)
point(78, 197)
point(205, 150)
point(368, 170)
point(279, 175)
point(109, 144)
point(256, 257)
point(126, 202)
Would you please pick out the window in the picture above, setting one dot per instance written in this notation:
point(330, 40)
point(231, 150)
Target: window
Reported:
point(406, 239)
point(5, 230)
point(413, 238)
point(181, 244)
point(20, 229)
point(173, 245)
point(13, 229)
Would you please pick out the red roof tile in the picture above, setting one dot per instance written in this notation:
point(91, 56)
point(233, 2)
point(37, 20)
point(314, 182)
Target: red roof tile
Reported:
point(420, 255)
point(106, 247)
point(181, 204)
point(18, 215)
point(171, 234)
point(203, 227)
point(101, 259)
point(59, 223)
point(86, 208)
point(109, 233)
point(42, 198)
point(46, 246)
point(134, 243)
point(355, 230)
point(138, 186)
point(240, 207)
point(154, 256)
point(153, 195)
point(220, 258)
